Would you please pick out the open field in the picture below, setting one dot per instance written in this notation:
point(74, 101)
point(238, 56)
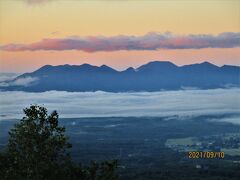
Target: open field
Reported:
point(139, 144)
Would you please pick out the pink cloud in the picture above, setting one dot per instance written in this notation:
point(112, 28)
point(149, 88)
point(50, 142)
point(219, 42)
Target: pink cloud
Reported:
point(149, 41)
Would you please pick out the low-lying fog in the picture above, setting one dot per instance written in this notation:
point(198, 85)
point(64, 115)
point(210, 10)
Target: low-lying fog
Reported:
point(104, 104)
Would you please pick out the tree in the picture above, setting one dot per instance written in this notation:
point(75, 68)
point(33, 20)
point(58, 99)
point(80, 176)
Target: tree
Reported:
point(38, 149)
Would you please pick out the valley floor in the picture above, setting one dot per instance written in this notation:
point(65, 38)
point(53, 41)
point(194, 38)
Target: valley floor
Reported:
point(154, 147)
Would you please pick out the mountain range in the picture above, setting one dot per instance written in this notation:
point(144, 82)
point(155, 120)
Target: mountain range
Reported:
point(153, 76)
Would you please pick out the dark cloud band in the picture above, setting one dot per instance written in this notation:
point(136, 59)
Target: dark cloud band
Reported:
point(150, 41)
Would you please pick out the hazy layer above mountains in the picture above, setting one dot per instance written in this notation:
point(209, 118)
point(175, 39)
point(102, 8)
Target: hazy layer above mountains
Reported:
point(154, 76)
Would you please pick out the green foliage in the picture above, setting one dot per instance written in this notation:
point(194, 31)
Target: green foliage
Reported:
point(38, 149)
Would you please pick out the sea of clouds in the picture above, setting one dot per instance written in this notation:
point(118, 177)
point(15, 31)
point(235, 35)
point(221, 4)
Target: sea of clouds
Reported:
point(7, 77)
point(104, 104)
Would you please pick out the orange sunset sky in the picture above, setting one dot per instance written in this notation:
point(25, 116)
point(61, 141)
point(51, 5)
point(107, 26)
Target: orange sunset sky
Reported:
point(118, 33)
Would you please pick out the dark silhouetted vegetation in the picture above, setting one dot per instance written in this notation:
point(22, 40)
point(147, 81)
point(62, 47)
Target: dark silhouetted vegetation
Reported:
point(39, 149)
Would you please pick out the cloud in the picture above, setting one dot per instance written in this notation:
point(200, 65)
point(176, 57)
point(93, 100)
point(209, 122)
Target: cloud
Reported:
point(54, 33)
point(231, 119)
point(26, 81)
point(7, 76)
point(34, 2)
point(182, 103)
point(149, 41)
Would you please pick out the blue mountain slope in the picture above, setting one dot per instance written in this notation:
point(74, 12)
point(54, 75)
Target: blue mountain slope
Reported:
point(153, 76)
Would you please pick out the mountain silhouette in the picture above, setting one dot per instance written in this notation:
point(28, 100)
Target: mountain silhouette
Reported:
point(153, 76)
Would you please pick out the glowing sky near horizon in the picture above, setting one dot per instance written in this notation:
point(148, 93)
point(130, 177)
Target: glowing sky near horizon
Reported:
point(30, 21)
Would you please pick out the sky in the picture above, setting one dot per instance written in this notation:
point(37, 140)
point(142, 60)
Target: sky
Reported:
point(117, 33)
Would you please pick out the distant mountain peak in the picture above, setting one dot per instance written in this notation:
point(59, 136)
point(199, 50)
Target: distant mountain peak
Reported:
point(206, 63)
point(66, 65)
point(153, 76)
point(44, 69)
point(107, 68)
point(229, 66)
point(130, 69)
point(157, 66)
point(104, 66)
point(86, 65)
point(199, 67)
point(47, 65)
point(160, 63)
